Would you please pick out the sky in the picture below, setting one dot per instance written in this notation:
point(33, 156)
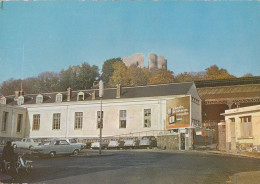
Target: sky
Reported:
point(40, 36)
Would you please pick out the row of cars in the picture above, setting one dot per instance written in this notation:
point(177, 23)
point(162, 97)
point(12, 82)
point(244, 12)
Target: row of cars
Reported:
point(129, 143)
point(51, 147)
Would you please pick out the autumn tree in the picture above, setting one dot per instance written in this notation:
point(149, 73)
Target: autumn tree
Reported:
point(120, 75)
point(248, 75)
point(161, 76)
point(213, 72)
point(107, 69)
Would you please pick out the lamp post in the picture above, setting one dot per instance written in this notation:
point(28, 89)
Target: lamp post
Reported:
point(101, 92)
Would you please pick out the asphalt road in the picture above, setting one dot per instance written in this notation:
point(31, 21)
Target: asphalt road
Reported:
point(141, 166)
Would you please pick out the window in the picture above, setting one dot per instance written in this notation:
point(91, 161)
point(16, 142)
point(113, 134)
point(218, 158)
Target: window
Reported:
point(36, 122)
point(122, 119)
point(78, 120)
point(56, 121)
point(4, 121)
point(3, 100)
point(59, 98)
point(147, 118)
point(20, 100)
point(99, 118)
point(19, 123)
point(80, 96)
point(246, 126)
point(39, 99)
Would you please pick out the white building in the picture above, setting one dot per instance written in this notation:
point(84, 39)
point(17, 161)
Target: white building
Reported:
point(143, 110)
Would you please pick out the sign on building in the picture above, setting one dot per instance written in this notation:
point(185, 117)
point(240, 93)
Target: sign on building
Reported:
point(178, 113)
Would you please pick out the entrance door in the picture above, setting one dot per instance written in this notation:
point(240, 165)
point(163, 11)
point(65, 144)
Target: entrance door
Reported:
point(182, 141)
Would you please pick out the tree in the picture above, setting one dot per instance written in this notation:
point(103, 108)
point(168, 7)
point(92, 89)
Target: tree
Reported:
point(46, 82)
point(248, 75)
point(213, 72)
point(120, 75)
point(107, 69)
point(10, 86)
point(189, 76)
point(79, 77)
point(161, 76)
point(137, 76)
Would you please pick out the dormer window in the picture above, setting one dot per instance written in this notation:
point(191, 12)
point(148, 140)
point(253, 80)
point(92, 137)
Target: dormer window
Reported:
point(20, 100)
point(39, 99)
point(3, 100)
point(80, 96)
point(59, 98)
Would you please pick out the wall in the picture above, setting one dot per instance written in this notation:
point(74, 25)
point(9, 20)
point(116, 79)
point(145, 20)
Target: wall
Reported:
point(168, 141)
point(11, 131)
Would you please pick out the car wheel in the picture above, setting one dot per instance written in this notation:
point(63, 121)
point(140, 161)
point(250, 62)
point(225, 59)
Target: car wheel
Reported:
point(52, 154)
point(30, 147)
point(15, 146)
point(75, 152)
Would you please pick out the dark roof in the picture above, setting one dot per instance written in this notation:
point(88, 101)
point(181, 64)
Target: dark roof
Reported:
point(110, 93)
point(228, 82)
point(230, 92)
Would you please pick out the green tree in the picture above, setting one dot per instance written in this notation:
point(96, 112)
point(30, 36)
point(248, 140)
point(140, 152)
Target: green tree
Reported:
point(107, 69)
point(120, 75)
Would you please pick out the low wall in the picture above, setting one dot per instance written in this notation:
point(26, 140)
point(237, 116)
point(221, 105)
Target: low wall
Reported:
point(168, 142)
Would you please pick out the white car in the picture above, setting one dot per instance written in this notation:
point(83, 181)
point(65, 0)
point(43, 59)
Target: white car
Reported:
point(56, 147)
point(74, 141)
point(25, 143)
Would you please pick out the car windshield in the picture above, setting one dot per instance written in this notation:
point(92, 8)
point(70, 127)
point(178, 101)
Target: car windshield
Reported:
point(73, 141)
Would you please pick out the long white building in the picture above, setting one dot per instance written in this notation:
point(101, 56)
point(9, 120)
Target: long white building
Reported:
point(126, 110)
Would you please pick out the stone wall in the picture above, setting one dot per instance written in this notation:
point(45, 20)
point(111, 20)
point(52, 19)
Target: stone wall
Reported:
point(168, 142)
point(221, 137)
point(136, 59)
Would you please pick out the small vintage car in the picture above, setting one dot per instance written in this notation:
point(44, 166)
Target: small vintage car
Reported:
point(148, 142)
point(25, 143)
point(115, 144)
point(56, 147)
point(131, 143)
point(96, 145)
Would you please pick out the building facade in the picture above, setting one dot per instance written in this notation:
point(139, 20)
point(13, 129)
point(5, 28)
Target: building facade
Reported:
point(242, 128)
point(127, 111)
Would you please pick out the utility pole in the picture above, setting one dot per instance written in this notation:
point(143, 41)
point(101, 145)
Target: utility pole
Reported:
point(101, 92)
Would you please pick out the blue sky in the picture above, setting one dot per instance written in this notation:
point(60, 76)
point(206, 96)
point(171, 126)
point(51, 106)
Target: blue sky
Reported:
point(190, 35)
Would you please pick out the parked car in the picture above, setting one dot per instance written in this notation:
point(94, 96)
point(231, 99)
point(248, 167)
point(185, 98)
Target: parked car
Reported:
point(131, 143)
point(25, 143)
point(115, 144)
point(56, 147)
point(148, 142)
point(96, 145)
point(74, 141)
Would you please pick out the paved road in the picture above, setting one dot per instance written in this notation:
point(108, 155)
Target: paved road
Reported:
point(140, 167)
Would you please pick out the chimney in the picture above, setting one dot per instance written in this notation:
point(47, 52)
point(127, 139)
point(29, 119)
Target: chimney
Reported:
point(69, 91)
point(93, 95)
point(16, 95)
point(118, 90)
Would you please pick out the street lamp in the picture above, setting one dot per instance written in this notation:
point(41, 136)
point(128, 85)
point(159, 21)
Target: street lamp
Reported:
point(101, 92)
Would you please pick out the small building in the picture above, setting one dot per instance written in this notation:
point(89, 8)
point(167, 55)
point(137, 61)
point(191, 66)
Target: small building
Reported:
point(126, 112)
point(243, 128)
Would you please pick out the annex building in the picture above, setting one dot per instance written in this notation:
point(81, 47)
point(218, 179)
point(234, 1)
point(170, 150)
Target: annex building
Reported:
point(126, 111)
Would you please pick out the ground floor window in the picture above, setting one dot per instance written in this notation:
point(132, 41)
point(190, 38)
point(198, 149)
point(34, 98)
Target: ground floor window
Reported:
point(4, 121)
point(122, 119)
point(19, 123)
point(78, 120)
point(246, 126)
point(36, 122)
point(147, 118)
point(56, 121)
point(100, 119)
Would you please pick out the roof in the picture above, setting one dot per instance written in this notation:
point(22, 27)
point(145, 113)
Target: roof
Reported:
point(110, 93)
point(230, 92)
point(228, 82)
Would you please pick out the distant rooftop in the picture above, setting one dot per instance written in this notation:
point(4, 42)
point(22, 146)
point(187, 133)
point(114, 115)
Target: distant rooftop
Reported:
point(227, 82)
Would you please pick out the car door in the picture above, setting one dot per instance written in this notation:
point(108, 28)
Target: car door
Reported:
point(21, 144)
point(65, 147)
